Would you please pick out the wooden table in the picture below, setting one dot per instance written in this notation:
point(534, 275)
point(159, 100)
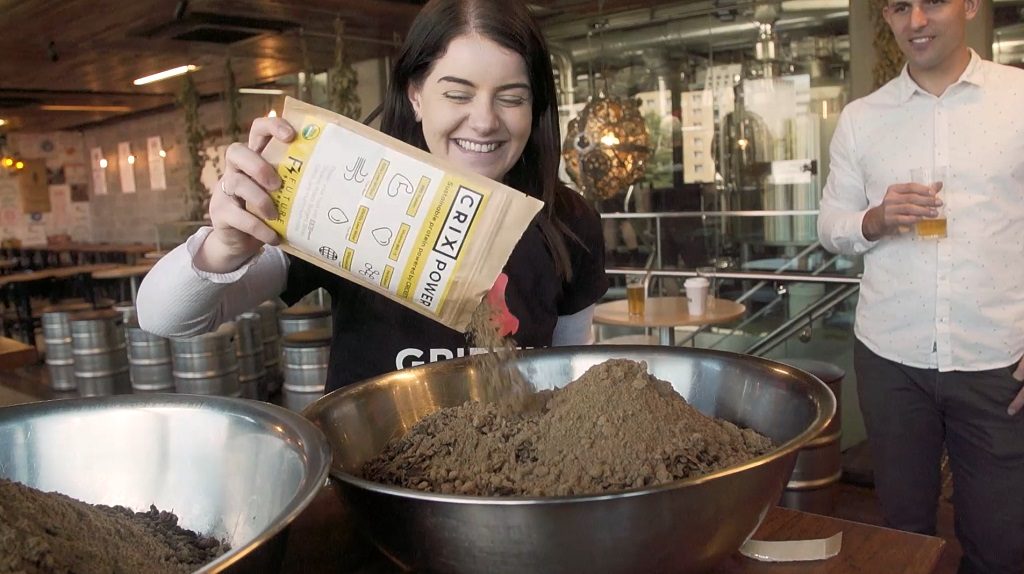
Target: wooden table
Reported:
point(15, 354)
point(325, 538)
point(53, 273)
point(18, 289)
point(25, 277)
point(87, 269)
point(866, 548)
point(130, 272)
point(81, 253)
point(667, 313)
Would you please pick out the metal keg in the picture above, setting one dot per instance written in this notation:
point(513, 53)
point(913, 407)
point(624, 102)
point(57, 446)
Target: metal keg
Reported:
point(319, 297)
point(206, 364)
point(249, 350)
point(149, 360)
point(812, 486)
point(98, 348)
point(57, 337)
point(127, 311)
point(306, 355)
point(270, 334)
point(299, 318)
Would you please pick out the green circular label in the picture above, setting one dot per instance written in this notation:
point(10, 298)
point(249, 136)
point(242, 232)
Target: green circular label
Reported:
point(311, 131)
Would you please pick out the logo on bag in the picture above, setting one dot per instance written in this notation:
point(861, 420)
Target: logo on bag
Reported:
point(328, 253)
point(458, 222)
point(310, 131)
point(448, 246)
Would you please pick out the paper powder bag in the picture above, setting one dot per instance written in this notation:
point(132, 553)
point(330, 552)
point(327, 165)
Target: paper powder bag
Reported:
point(392, 217)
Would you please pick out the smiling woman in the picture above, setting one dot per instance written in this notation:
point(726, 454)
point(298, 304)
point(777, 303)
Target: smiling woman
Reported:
point(472, 84)
point(475, 106)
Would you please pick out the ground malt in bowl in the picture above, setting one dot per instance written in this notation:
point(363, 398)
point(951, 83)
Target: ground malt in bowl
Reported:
point(684, 526)
point(234, 469)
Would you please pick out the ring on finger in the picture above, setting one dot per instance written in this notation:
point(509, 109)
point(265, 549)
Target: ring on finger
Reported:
point(225, 191)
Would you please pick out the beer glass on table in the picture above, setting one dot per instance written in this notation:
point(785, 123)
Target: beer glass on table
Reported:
point(636, 295)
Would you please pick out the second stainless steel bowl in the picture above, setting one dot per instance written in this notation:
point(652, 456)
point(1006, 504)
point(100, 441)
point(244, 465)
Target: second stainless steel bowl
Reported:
point(684, 526)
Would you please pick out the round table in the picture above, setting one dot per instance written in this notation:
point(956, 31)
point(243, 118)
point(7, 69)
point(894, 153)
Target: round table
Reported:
point(667, 313)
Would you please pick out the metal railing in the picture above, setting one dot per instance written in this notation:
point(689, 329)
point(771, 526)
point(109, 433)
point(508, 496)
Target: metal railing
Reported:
point(703, 215)
point(798, 323)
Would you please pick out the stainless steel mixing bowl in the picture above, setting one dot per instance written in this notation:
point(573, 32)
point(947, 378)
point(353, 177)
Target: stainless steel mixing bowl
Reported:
point(236, 469)
point(684, 526)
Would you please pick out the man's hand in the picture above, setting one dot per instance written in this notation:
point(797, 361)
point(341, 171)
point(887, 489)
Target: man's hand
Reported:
point(1018, 401)
point(904, 205)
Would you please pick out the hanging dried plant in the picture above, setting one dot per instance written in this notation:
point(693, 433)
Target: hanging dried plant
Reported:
point(888, 57)
point(342, 78)
point(233, 106)
point(306, 77)
point(195, 192)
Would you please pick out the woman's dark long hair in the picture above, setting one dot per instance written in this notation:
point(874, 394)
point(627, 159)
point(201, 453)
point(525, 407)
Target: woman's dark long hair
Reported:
point(509, 24)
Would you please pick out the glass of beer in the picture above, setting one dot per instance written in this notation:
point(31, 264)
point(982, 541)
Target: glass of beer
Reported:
point(932, 227)
point(636, 295)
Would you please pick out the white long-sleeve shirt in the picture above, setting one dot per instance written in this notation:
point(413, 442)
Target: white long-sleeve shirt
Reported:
point(955, 303)
point(176, 299)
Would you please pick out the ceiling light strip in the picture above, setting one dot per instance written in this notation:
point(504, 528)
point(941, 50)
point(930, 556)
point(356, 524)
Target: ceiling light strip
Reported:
point(165, 74)
point(84, 108)
point(261, 91)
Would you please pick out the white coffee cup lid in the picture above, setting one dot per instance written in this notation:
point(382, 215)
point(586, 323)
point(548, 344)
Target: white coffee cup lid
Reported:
point(697, 282)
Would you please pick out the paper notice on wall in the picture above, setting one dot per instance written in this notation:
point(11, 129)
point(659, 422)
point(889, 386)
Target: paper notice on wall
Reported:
point(10, 213)
point(10, 220)
point(99, 172)
point(791, 172)
point(698, 109)
point(698, 127)
point(35, 232)
point(126, 167)
point(154, 152)
point(60, 199)
point(35, 196)
point(722, 81)
point(76, 173)
point(79, 221)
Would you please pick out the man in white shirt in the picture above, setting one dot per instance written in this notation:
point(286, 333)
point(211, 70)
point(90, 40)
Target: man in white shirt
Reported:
point(940, 322)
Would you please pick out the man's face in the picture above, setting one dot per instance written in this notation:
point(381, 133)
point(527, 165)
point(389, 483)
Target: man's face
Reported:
point(930, 33)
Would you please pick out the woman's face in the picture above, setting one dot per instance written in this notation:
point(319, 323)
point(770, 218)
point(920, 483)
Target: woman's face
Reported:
point(476, 106)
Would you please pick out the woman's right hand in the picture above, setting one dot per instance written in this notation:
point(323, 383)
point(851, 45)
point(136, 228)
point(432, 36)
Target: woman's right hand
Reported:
point(241, 199)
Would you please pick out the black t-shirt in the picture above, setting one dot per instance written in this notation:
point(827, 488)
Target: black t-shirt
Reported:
point(374, 335)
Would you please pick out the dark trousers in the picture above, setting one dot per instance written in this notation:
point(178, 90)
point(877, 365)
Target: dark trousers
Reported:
point(909, 414)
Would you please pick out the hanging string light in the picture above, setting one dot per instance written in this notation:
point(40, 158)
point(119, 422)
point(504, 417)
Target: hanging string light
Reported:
point(606, 146)
point(11, 164)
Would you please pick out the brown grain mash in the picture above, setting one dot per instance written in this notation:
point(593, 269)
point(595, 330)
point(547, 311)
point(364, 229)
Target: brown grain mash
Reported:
point(50, 533)
point(616, 427)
